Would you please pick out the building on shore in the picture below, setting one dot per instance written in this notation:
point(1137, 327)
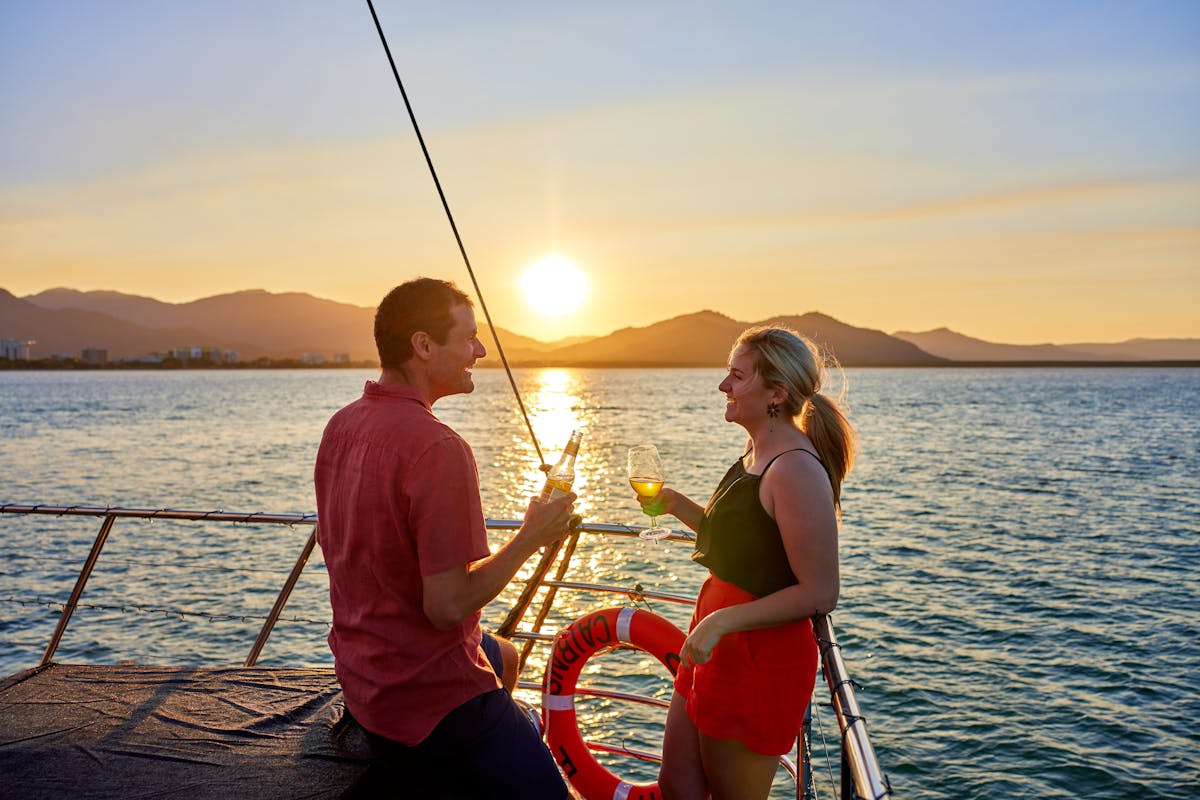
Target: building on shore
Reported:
point(16, 349)
point(312, 358)
point(149, 358)
point(205, 355)
point(94, 355)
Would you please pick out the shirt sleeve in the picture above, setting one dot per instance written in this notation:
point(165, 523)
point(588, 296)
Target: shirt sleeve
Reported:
point(446, 511)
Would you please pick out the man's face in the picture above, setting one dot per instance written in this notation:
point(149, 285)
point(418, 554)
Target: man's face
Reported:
point(450, 366)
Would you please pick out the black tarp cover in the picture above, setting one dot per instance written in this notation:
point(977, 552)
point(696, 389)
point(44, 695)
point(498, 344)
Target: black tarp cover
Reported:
point(133, 732)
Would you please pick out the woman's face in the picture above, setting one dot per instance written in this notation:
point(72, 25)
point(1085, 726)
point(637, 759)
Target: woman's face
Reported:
point(746, 397)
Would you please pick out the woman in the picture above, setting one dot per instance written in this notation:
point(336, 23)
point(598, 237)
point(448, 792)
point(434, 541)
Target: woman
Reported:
point(769, 538)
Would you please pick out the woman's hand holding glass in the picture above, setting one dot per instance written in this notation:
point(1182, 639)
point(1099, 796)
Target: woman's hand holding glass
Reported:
point(646, 476)
point(659, 504)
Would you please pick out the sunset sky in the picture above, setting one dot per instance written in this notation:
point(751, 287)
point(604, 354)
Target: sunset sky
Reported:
point(1017, 171)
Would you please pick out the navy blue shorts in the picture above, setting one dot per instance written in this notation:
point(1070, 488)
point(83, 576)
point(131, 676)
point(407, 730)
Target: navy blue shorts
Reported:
point(486, 747)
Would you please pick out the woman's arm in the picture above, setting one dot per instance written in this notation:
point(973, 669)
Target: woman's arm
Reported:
point(797, 494)
point(680, 506)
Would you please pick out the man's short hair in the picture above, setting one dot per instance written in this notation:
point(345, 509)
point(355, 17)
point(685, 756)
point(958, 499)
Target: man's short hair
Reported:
point(422, 304)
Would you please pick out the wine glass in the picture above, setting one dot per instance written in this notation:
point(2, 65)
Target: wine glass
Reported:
point(646, 476)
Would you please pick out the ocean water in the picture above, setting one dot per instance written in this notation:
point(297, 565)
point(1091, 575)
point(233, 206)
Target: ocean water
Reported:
point(1020, 547)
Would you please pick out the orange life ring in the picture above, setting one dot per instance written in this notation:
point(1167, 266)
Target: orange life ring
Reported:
point(573, 646)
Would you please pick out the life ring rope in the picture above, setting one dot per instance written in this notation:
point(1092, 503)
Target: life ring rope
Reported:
point(573, 646)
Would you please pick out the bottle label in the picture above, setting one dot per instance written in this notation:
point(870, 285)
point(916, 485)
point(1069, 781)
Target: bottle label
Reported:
point(555, 488)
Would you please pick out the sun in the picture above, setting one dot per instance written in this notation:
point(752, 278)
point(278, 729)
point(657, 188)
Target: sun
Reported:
point(554, 286)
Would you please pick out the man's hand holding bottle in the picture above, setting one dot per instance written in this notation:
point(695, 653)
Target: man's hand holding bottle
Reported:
point(547, 521)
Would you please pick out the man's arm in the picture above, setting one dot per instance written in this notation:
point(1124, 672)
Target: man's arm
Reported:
point(455, 594)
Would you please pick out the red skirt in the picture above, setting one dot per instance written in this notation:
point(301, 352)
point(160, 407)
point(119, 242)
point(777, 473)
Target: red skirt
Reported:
point(757, 684)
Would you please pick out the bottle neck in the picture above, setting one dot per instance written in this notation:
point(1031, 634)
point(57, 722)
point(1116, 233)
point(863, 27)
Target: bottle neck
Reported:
point(572, 448)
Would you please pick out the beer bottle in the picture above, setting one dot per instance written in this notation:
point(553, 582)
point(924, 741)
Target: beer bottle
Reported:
point(562, 475)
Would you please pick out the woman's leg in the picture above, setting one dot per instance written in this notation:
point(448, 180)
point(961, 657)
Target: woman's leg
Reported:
point(735, 772)
point(681, 776)
point(508, 653)
point(502, 655)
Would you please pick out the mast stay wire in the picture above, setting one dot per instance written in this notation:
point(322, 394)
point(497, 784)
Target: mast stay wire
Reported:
point(457, 238)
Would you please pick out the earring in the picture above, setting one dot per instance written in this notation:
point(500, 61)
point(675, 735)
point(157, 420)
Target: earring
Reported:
point(773, 410)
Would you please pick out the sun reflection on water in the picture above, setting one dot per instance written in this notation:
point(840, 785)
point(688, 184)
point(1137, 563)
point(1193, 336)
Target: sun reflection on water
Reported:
point(554, 406)
point(555, 410)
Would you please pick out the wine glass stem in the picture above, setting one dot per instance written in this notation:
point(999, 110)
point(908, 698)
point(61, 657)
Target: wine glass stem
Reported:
point(653, 521)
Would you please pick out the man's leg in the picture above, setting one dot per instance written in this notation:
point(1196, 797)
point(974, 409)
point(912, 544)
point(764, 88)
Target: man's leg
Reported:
point(395, 773)
point(485, 748)
point(508, 758)
point(490, 744)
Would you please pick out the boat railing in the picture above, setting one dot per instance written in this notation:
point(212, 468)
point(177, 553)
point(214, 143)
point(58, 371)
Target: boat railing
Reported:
point(861, 776)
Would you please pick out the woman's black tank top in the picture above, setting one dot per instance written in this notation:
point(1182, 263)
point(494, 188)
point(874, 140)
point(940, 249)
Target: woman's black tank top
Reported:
point(738, 541)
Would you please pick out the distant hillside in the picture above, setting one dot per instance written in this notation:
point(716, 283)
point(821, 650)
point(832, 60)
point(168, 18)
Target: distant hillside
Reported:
point(854, 345)
point(517, 348)
point(1143, 349)
point(565, 342)
point(145, 311)
point(265, 324)
point(276, 325)
point(259, 323)
point(70, 330)
point(704, 339)
point(696, 339)
point(957, 347)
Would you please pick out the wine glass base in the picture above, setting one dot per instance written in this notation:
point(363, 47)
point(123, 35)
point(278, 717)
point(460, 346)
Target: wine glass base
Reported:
point(654, 534)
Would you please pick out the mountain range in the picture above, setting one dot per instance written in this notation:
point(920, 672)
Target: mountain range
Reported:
point(957, 347)
point(262, 324)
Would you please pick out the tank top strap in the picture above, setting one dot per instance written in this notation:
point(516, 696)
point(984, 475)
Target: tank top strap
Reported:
point(793, 450)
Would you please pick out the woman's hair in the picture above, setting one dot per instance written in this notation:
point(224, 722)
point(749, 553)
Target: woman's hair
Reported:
point(422, 304)
point(792, 362)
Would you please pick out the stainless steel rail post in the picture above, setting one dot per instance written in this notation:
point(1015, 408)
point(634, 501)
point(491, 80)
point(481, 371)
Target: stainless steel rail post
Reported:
point(282, 599)
point(861, 776)
point(804, 756)
point(80, 582)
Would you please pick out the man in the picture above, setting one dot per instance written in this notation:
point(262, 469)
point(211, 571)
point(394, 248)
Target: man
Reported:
point(402, 532)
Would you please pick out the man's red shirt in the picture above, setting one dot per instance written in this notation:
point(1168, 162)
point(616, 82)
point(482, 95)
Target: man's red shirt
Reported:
point(398, 498)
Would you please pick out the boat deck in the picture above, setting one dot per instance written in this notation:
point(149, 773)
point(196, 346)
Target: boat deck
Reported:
point(134, 731)
point(139, 731)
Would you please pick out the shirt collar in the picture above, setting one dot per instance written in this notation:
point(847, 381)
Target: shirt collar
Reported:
point(393, 391)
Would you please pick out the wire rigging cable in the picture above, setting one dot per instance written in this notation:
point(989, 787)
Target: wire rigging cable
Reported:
point(461, 249)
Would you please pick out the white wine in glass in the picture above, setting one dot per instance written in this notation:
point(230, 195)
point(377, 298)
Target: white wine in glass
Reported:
point(646, 476)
